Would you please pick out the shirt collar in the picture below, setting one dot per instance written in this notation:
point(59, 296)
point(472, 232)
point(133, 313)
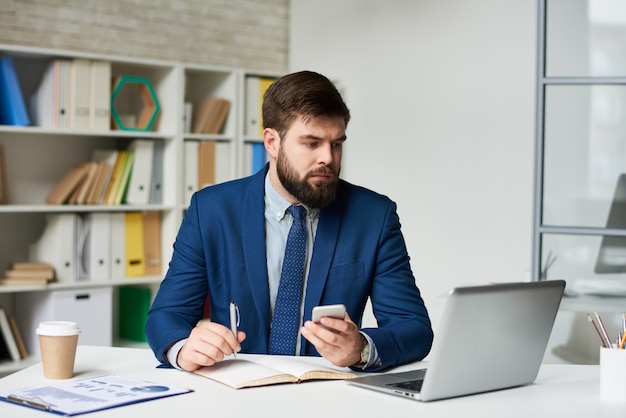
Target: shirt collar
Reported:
point(278, 205)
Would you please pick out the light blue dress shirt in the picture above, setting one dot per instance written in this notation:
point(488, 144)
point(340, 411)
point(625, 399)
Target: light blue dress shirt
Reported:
point(277, 224)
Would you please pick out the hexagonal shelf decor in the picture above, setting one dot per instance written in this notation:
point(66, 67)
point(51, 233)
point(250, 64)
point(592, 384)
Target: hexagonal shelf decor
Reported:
point(126, 88)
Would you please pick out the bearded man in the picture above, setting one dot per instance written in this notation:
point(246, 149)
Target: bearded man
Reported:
point(235, 245)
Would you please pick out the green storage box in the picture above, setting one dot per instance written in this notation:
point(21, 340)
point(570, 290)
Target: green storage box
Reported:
point(134, 306)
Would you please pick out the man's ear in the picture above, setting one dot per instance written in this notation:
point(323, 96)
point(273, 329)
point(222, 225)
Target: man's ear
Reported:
point(271, 140)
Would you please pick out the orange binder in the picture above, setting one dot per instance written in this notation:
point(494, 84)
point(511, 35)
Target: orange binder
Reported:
point(152, 242)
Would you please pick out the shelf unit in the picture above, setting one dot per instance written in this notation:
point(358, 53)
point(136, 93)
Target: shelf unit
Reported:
point(37, 157)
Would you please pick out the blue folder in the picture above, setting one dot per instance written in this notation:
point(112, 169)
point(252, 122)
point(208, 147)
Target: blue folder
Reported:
point(259, 156)
point(12, 107)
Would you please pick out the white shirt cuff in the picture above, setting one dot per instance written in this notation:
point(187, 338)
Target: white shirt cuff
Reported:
point(172, 353)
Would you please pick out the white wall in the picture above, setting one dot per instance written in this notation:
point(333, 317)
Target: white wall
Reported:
point(442, 99)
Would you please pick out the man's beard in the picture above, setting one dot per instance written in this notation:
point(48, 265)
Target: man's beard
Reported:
point(314, 196)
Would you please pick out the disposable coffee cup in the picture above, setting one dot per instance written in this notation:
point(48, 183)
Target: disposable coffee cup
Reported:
point(613, 374)
point(58, 341)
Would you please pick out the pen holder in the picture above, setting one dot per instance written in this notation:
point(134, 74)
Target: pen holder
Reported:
point(612, 374)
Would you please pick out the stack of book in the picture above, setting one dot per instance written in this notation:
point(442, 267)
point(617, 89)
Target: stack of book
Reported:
point(133, 175)
point(28, 273)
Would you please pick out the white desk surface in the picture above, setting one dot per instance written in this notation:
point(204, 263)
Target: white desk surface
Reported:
point(559, 390)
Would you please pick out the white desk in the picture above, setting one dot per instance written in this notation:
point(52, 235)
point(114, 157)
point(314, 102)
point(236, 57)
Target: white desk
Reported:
point(560, 390)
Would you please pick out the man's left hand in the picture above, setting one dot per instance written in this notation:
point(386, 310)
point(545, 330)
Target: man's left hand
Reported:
point(337, 340)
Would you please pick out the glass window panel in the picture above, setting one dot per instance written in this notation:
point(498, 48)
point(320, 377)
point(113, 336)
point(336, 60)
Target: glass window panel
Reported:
point(584, 153)
point(589, 264)
point(585, 38)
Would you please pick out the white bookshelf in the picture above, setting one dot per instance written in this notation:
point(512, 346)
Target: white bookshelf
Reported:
point(37, 157)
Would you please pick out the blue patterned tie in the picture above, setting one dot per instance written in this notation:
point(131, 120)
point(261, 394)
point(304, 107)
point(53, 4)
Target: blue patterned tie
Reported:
point(286, 320)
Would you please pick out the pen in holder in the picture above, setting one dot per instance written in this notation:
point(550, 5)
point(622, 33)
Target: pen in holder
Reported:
point(612, 374)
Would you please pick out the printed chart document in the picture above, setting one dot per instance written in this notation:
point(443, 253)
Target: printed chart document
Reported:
point(75, 397)
point(260, 370)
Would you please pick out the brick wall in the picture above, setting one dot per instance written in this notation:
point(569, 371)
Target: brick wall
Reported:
point(238, 33)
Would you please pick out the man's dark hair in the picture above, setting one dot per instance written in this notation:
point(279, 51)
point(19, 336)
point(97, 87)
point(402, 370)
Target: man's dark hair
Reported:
point(305, 93)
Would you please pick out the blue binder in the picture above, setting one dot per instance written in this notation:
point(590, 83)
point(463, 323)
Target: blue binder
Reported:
point(259, 156)
point(12, 107)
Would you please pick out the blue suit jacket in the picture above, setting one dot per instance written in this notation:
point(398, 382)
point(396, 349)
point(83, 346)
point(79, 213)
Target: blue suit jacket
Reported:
point(359, 252)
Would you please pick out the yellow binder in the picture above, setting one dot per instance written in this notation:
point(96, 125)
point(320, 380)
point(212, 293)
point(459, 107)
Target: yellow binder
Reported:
point(135, 254)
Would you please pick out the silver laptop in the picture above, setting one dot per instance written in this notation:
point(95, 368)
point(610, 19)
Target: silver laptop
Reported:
point(491, 337)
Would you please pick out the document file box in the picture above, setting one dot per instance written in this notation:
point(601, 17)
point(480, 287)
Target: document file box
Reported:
point(91, 308)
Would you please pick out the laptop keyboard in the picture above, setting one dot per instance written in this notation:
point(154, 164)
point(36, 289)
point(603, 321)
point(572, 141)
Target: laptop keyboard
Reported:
point(414, 385)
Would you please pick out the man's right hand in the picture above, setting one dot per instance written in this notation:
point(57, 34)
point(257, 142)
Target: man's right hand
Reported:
point(208, 343)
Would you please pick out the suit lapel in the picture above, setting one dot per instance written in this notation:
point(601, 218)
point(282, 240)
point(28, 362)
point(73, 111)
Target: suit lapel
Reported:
point(253, 232)
point(323, 251)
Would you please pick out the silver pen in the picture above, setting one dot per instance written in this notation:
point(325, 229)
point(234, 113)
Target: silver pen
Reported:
point(234, 320)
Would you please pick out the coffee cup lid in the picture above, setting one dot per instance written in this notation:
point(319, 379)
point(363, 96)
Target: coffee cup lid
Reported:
point(58, 328)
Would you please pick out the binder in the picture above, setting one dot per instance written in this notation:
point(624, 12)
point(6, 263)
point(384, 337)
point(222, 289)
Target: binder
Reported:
point(49, 96)
point(12, 106)
point(222, 162)
point(255, 89)
point(187, 116)
point(63, 97)
point(206, 164)
point(118, 245)
point(120, 195)
point(96, 255)
point(253, 116)
point(191, 169)
point(57, 245)
point(79, 100)
point(156, 180)
point(52, 99)
point(212, 165)
point(259, 156)
point(264, 84)
point(54, 106)
point(116, 177)
point(139, 182)
point(152, 242)
point(135, 252)
point(100, 96)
